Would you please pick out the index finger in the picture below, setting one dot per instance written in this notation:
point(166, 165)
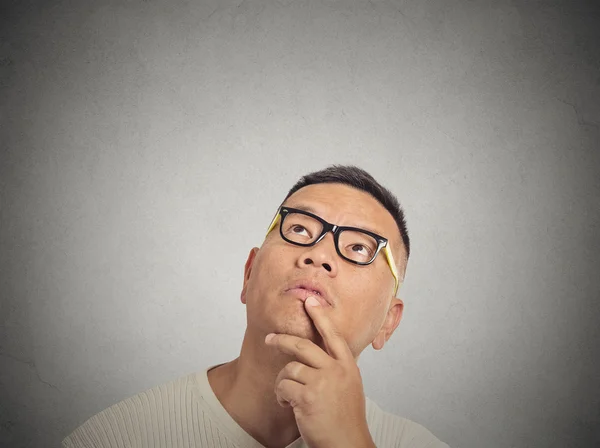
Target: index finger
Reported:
point(306, 351)
point(335, 344)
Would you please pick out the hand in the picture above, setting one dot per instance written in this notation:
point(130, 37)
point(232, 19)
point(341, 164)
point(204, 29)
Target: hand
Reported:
point(324, 388)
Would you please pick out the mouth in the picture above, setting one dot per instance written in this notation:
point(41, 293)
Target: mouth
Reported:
point(310, 291)
point(303, 292)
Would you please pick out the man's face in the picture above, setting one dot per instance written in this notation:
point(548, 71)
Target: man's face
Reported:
point(359, 296)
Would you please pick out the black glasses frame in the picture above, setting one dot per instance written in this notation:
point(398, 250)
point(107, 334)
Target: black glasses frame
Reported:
point(335, 229)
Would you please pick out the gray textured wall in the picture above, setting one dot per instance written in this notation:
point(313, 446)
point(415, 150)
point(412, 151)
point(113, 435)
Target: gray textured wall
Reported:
point(146, 144)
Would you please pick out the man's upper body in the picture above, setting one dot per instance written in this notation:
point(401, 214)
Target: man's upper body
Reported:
point(320, 289)
point(185, 413)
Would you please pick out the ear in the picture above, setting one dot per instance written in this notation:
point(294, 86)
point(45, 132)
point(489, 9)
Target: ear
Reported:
point(247, 271)
point(392, 320)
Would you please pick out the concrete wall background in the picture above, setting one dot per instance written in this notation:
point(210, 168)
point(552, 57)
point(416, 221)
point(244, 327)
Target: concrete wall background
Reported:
point(138, 137)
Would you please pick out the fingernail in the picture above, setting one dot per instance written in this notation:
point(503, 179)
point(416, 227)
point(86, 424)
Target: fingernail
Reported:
point(269, 337)
point(311, 301)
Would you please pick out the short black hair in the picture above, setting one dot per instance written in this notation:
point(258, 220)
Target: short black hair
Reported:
point(361, 180)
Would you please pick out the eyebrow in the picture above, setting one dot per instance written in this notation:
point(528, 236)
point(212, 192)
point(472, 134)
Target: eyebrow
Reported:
point(308, 208)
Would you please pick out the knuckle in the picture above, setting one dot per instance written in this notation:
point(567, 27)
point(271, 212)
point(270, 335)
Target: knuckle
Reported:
point(280, 387)
point(320, 386)
point(335, 333)
point(342, 374)
point(294, 368)
point(338, 370)
point(308, 397)
point(302, 344)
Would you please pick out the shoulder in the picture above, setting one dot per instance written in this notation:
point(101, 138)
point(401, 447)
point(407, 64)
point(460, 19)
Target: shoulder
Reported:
point(132, 419)
point(391, 430)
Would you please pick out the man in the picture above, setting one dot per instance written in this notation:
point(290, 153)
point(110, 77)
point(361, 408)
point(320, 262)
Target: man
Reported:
point(320, 289)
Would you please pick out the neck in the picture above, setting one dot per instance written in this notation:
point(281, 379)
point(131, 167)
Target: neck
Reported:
point(245, 388)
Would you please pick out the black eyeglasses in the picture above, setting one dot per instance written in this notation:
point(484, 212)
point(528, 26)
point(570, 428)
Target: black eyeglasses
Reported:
point(355, 245)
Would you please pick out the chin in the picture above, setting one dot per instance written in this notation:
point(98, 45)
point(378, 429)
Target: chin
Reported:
point(305, 332)
point(296, 323)
point(287, 317)
point(301, 327)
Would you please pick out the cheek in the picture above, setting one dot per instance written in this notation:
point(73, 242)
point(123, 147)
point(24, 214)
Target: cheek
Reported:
point(368, 281)
point(274, 260)
point(267, 271)
point(369, 292)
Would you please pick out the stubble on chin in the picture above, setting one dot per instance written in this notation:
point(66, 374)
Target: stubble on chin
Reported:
point(283, 315)
point(294, 320)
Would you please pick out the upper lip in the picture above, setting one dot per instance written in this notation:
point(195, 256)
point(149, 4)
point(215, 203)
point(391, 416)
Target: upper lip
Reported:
point(310, 285)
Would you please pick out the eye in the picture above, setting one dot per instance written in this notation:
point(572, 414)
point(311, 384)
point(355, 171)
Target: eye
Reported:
point(361, 249)
point(298, 229)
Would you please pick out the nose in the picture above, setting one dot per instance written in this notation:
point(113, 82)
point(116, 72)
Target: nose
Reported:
point(322, 254)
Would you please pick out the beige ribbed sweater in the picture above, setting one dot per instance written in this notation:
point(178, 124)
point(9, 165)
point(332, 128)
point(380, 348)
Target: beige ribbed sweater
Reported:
point(186, 413)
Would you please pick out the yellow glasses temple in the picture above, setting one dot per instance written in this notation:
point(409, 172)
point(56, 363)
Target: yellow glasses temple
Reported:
point(273, 223)
point(390, 260)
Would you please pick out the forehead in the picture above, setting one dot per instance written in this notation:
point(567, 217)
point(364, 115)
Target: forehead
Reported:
point(347, 206)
